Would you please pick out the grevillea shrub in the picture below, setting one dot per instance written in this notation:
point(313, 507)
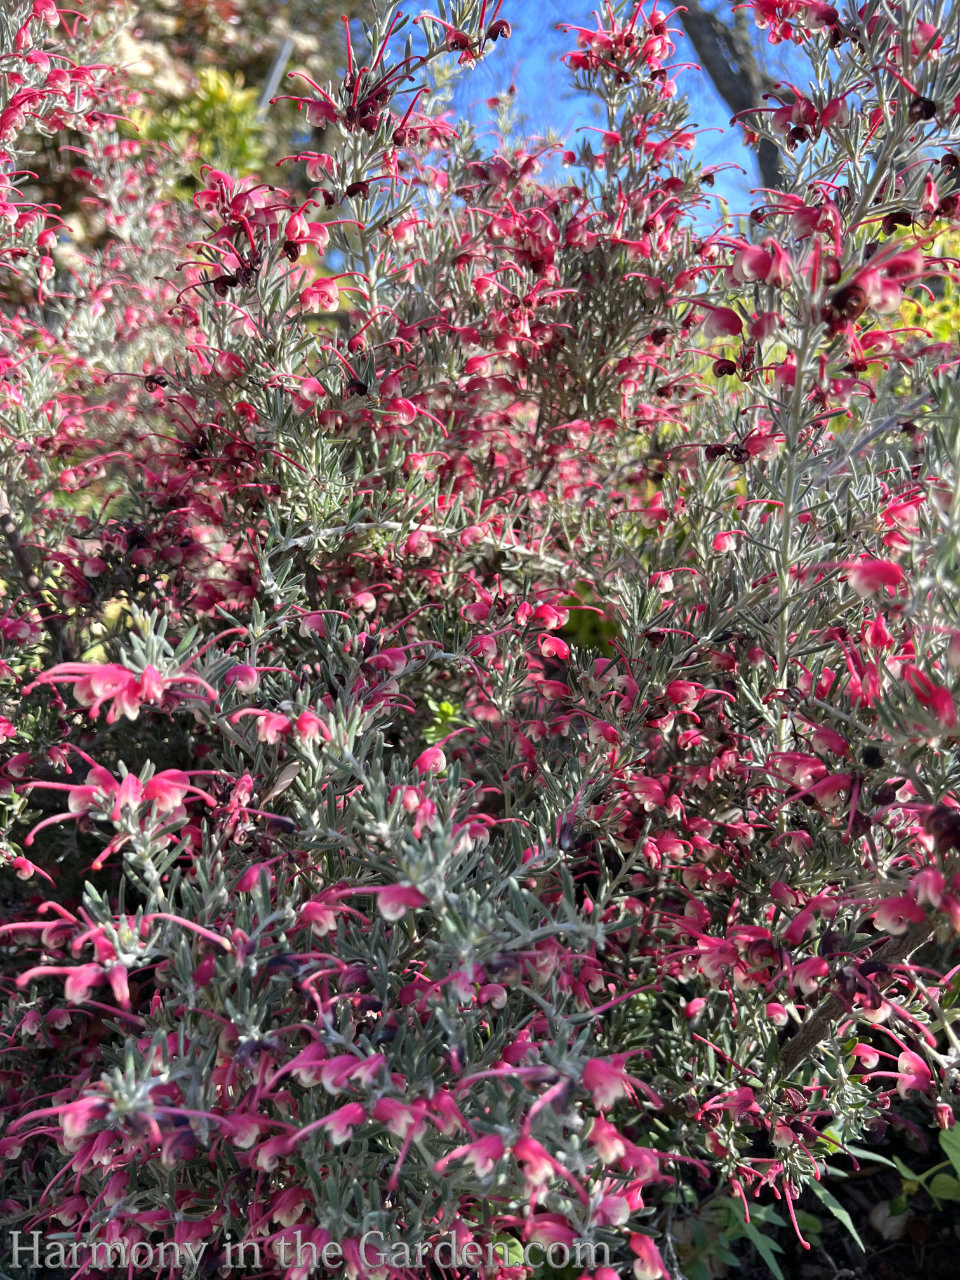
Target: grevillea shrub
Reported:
point(480, 719)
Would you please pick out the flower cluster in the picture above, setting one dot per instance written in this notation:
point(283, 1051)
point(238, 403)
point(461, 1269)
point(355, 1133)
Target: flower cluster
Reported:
point(492, 722)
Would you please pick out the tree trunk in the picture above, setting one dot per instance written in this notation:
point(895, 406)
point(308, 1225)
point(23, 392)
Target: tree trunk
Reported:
point(727, 55)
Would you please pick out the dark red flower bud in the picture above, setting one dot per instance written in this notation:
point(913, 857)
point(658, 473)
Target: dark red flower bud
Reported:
point(832, 270)
point(850, 302)
point(899, 218)
point(943, 823)
point(922, 109)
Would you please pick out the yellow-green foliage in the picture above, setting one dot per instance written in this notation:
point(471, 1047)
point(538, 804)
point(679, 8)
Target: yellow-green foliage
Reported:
point(940, 317)
point(219, 122)
point(588, 628)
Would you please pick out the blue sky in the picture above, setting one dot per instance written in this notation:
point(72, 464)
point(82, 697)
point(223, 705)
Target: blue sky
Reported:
point(531, 58)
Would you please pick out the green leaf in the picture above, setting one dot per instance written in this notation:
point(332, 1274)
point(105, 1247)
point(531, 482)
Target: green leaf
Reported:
point(830, 1201)
point(944, 1187)
point(860, 1153)
point(514, 1250)
point(950, 1144)
point(809, 1224)
point(766, 1247)
point(904, 1171)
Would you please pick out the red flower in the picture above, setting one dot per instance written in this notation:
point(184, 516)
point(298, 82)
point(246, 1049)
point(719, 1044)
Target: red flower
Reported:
point(867, 576)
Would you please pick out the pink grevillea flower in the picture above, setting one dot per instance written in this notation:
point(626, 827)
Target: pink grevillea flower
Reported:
point(80, 979)
point(608, 1081)
point(94, 684)
point(777, 1013)
point(932, 696)
point(895, 915)
point(270, 1153)
point(320, 916)
point(833, 791)
point(402, 1118)
point(166, 791)
point(927, 886)
point(251, 877)
point(341, 1123)
point(76, 1118)
point(797, 767)
point(272, 726)
point(716, 956)
point(430, 761)
point(721, 322)
point(308, 727)
point(914, 1074)
point(245, 677)
point(406, 1121)
point(550, 617)
point(306, 1068)
point(537, 1165)
point(655, 515)
point(336, 1072)
point(648, 1264)
point(322, 295)
point(549, 1228)
point(808, 973)
point(727, 541)
point(339, 1126)
point(684, 694)
point(945, 1115)
point(868, 576)
point(609, 1142)
point(867, 1055)
point(648, 791)
point(481, 1155)
point(396, 899)
point(826, 739)
point(553, 647)
point(26, 869)
point(613, 1209)
point(767, 262)
point(286, 1207)
point(642, 1162)
point(738, 1103)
